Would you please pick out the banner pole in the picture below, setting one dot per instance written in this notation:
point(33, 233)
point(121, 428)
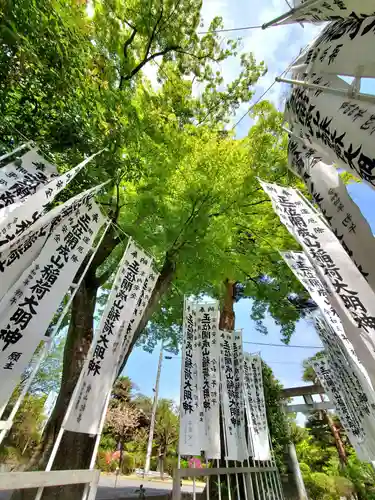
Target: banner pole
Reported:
point(339, 92)
point(86, 491)
point(48, 341)
point(23, 146)
point(62, 428)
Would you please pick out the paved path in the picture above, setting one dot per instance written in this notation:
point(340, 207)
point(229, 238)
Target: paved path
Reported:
point(126, 488)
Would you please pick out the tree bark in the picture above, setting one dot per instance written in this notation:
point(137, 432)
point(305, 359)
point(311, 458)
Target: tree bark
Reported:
point(227, 316)
point(338, 441)
point(336, 436)
point(226, 322)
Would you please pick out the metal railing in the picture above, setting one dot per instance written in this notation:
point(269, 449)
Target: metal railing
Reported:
point(261, 483)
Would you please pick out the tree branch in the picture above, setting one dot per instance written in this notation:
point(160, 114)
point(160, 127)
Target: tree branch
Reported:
point(256, 203)
point(171, 48)
point(128, 43)
point(153, 33)
point(139, 66)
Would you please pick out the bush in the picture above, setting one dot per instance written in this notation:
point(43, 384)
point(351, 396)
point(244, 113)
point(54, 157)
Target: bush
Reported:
point(154, 463)
point(128, 463)
point(170, 464)
point(105, 462)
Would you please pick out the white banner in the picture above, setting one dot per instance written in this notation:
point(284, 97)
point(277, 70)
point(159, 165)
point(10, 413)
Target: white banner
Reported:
point(101, 364)
point(331, 10)
point(350, 417)
point(23, 176)
point(28, 308)
point(342, 214)
point(340, 129)
point(19, 256)
point(341, 48)
point(307, 275)
point(208, 377)
point(356, 389)
point(190, 438)
point(231, 375)
point(131, 326)
point(17, 218)
point(350, 294)
point(255, 407)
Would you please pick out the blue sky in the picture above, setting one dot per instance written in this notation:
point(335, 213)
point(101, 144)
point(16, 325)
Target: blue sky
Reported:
point(277, 47)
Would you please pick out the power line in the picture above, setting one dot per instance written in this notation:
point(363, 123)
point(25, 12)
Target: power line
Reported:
point(286, 345)
point(252, 106)
point(264, 93)
point(230, 29)
point(281, 362)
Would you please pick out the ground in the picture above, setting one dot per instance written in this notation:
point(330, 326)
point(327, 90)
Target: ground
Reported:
point(126, 487)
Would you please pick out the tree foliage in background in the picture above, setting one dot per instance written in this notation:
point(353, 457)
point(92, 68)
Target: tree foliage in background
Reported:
point(127, 427)
point(277, 420)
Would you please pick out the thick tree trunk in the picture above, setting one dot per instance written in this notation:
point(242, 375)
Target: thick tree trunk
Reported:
point(227, 316)
point(226, 322)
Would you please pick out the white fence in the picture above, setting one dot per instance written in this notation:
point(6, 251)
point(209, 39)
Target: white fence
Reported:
point(44, 479)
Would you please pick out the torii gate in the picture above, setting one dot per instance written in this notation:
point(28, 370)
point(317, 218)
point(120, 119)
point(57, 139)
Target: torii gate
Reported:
point(307, 392)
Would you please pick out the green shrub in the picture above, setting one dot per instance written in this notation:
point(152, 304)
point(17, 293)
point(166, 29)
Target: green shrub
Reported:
point(170, 464)
point(128, 463)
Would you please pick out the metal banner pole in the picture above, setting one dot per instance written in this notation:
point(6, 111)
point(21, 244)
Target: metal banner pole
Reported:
point(6, 155)
point(339, 92)
point(62, 428)
point(88, 486)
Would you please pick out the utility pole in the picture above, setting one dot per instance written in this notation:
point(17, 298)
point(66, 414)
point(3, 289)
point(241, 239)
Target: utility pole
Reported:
point(153, 415)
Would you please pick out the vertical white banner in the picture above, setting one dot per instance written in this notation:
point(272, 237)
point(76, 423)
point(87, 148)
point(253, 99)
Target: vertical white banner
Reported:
point(350, 294)
point(22, 176)
point(101, 364)
point(28, 308)
point(231, 375)
point(228, 396)
point(17, 218)
point(342, 214)
point(208, 377)
point(340, 48)
point(362, 442)
point(338, 128)
point(330, 10)
point(355, 389)
point(190, 439)
point(19, 256)
point(306, 274)
point(255, 407)
point(129, 328)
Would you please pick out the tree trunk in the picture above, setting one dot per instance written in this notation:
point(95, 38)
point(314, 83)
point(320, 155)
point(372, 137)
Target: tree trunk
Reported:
point(161, 464)
point(338, 441)
point(227, 316)
point(336, 436)
point(226, 322)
